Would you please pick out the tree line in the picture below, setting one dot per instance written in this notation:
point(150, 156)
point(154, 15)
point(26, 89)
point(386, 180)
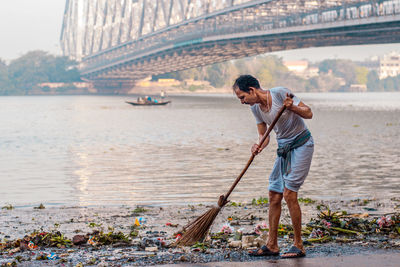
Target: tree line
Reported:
point(24, 74)
point(334, 75)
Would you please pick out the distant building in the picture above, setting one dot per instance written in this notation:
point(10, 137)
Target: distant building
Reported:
point(389, 65)
point(301, 68)
point(168, 82)
point(358, 88)
point(159, 83)
point(60, 85)
point(298, 67)
point(65, 88)
point(196, 83)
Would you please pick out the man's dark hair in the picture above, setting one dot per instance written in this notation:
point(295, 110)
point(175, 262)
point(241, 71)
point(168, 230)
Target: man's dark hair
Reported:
point(243, 82)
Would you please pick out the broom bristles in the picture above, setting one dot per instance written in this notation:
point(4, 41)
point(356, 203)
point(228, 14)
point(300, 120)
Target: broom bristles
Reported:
point(198, 229)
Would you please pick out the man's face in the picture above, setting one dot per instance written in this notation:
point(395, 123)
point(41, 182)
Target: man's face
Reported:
point(249, 98)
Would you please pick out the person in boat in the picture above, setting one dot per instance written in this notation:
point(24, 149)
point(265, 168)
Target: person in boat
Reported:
point(140, 99)
point(162, 95)
point(294, 155)
point(148, 99)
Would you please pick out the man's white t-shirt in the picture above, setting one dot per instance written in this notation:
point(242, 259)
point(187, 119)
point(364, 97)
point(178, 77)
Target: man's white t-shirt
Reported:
point(290, 124)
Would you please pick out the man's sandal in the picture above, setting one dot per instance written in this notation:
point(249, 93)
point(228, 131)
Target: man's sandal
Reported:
point(295, 251)
point(264, 252)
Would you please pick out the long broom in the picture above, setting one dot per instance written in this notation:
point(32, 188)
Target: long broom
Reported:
point(198, 229)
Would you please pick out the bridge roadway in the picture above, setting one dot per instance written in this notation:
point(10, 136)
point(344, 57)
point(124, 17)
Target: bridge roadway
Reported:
point(233, 33)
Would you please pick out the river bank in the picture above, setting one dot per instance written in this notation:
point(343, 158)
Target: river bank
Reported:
point(126, 235)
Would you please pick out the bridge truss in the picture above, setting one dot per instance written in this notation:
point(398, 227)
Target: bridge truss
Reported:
point(125, 40)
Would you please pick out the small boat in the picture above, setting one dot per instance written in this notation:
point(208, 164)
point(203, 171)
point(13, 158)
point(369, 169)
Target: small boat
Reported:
point(148, 103)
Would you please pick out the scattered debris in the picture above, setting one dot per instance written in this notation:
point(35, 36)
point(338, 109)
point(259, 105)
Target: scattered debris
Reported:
point(40, 207)
point(143, 241)
point(306, 200)
point(8, 207)
point(139, 210)
point(259, 201)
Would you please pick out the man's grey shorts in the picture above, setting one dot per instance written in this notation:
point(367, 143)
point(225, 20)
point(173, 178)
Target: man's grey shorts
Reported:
point(300, 165)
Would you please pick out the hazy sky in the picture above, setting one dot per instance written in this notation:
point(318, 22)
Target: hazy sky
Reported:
point(27, 25)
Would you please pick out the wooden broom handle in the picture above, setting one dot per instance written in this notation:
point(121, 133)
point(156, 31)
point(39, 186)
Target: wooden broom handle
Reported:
point(266, 134)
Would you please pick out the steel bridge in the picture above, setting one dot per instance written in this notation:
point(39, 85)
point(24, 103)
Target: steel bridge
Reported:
point(120, 41)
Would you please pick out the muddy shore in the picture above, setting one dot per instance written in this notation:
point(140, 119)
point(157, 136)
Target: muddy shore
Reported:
point(138, 236)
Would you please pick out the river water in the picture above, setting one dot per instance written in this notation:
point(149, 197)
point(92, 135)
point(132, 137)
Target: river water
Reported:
point(98, 150)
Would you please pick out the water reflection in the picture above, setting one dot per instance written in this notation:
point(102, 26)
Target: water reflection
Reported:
point(83, 174)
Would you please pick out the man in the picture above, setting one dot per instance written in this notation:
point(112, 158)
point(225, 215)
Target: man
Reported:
point(295, 150)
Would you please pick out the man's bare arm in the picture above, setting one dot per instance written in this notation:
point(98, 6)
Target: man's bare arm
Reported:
point(261, 128)
point(302, 109)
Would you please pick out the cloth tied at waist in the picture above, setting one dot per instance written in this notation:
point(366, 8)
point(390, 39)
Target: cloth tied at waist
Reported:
point(285, 151)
